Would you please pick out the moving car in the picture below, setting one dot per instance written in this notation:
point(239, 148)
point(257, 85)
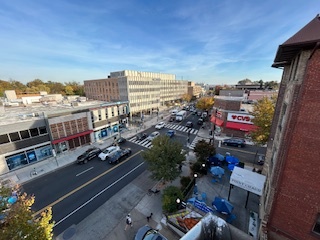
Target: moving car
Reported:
point(119, 155)
point(153, 136)
point(236, 142)
point(148, 233)
point(160, 125)
point(200, 121)
point(107, 152)
point(88, 155)
point(189, 124)
point(121, 140)
point(170, 133)
point(141, 136)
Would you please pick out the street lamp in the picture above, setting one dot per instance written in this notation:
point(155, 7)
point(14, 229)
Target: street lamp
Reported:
point(181, 204)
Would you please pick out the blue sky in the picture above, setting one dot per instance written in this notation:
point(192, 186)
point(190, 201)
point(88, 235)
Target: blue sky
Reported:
point(208, 41)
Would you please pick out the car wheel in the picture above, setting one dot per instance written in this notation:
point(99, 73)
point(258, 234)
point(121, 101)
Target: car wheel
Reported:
point(85, 161)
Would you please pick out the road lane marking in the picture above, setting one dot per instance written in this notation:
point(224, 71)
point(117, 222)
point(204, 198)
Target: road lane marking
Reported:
point(238, 150)
point(83, 185)
point(84, 171)
point(97, 195)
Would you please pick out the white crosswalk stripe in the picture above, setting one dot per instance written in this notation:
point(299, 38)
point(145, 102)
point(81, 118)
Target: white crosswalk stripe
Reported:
point(145, 143)
point(181, 128)
point(197, 139)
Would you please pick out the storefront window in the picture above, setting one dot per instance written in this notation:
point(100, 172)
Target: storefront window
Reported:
point(104, 133)
point(31, 156)
point(16, 161)
point(43, 152)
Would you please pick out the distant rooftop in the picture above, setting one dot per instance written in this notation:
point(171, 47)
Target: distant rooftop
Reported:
point(229, 98)
point(33, 112)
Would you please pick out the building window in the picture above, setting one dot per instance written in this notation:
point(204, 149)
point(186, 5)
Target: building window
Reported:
point(14, 136)
point(43, 130)
point(24, 134)
point(4, 139)
point(34, 132)
point(316, 227)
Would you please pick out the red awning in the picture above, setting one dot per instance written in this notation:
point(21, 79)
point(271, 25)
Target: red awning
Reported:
point(216, 121)
point(241, 126)
point(71, 137)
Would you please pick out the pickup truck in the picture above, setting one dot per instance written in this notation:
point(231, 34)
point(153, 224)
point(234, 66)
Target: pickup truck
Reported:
point(117, 156)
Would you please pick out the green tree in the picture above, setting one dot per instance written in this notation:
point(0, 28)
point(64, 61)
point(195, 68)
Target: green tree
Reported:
point(77, 88)
point(272, 85)
point(4, 85)
point(35, 83)
point(19, 222)
point(169, 198)
point(263, 112)
point(55, 87)
point(203, 150)
point(205, 103)
point(18, 86)
point(164, 159)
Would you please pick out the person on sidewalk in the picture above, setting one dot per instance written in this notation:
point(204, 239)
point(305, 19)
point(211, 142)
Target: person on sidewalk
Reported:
point(128, 222)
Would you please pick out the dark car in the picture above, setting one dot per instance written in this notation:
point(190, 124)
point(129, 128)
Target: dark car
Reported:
point(149, 233)
point(236, 142)
point(170, 133)
point(141, 136)
point(189, 124)
point(88, 155)
point(200, 121)
point(121, 140)
point(119, 155)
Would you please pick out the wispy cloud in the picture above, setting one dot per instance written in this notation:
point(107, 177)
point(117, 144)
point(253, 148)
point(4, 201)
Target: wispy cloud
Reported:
point(212, 41)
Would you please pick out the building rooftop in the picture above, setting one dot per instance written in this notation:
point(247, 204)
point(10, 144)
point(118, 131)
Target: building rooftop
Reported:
point(229, 98)
point(10, 115)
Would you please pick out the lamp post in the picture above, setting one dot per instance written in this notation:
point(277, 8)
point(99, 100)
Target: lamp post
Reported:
point(181, 204)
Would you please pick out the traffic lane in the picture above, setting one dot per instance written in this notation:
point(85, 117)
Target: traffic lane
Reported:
point(82, 203)
point(53, 186)
point(246, 154)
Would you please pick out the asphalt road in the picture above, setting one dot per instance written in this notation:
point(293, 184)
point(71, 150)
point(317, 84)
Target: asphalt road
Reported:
point(76, 191)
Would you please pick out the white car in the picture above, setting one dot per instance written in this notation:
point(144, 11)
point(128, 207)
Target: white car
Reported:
point(107, 152)
point(160, 125)
point(153, 136)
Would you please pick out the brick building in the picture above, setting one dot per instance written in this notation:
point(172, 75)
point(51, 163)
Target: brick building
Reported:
point(290, 206)
point(229, 118)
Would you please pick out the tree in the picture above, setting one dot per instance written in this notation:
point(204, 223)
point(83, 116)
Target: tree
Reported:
point(272, 85)
point(19, 222)
point(205, 103)
point(35, 83)
point(169, 199)
point(69, 90)
point(186, 97)
point(17, 86)
point(55, 87)
point(245, 82)
point(164, 158)
point(263, 112)
point(203, 150)
point(77, 88)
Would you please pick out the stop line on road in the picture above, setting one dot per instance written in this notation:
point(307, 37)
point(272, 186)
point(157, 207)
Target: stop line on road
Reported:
point(145, 143)
point(181, 128)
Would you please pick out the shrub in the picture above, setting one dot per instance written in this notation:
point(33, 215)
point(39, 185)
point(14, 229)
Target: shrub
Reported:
point(196, 167)
point(184, 181)
point(169, 198)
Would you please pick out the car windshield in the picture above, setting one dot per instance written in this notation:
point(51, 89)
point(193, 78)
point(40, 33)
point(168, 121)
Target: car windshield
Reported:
point(151, 234)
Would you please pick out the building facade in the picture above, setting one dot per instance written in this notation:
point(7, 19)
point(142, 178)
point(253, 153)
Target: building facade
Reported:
point(38, 132)
point(290, 206)
point(145, 91)
point(229, 118)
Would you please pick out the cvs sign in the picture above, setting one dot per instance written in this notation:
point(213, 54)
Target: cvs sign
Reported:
point(241, 118)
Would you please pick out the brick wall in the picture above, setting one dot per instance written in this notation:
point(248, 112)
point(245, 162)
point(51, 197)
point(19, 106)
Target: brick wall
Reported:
point(297, 194)
point(227, 104)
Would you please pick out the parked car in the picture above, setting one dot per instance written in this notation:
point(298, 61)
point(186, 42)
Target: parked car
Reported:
point(189, 124)
point(160, 125)
point(172, 118)
point(153, 136)
point(121, 140)
point(170, 133)
point(107, 152)
point(236, 142)
point(119, 155)
point(147, 232)
point(199, 113)
point(200, 121)
point(88, 155)
point(141, 136)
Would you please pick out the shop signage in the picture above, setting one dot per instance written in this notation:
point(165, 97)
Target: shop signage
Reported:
point(241, 118)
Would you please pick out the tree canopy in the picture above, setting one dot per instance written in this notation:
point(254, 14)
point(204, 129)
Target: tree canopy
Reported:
point(164, 158)
point(203, 150)
point(263, 112)
point(19, 222)
point(186, 97)
point(205, 103)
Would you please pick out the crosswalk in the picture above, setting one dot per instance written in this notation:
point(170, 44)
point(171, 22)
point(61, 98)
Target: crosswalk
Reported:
point(145, 143)
point(197, 139)
point(181, 128)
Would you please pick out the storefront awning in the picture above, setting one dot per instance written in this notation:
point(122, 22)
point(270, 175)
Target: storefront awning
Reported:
point(71, 137)
point(241, 126)
point(216, 121)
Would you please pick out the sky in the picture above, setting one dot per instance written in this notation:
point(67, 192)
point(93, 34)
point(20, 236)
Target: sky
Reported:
point(205, 41)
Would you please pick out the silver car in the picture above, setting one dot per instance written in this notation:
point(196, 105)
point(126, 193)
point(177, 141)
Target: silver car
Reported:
point(153, 136)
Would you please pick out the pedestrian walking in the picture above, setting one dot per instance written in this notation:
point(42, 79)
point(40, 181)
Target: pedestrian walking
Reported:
point(149, 217)
point(128, 222)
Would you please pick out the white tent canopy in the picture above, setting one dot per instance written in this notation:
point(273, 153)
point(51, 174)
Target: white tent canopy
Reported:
point(248, 180)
